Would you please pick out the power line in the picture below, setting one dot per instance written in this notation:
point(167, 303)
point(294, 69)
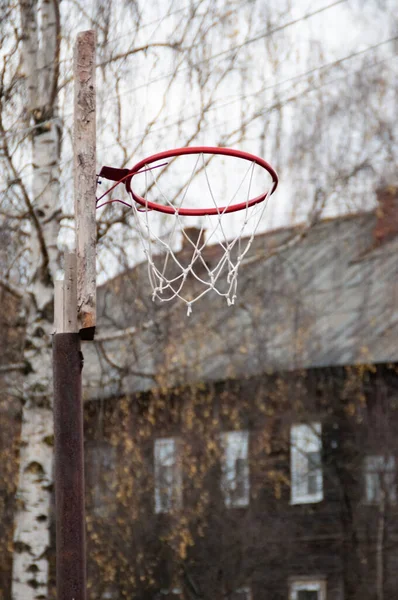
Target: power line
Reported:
point(238, 46)
point(231, 50)
point(279, 104)
point(143, 26)
point(325, 66)
point(312, 89)
point(209, 59)
point(242, 96)
point(337, 62)
point(148, 24)
point(11, 133)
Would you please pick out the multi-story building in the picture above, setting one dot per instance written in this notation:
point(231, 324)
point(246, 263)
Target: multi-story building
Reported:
point(250, 452)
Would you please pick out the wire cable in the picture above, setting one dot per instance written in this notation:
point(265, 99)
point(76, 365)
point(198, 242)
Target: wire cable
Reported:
point(208, 59)
point(231, 50)
point(243, 96)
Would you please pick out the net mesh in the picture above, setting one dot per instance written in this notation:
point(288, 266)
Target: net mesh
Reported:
point(211, 254)
point(173, 274)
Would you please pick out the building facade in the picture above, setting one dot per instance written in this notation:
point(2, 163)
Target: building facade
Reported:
point(250, 452)
point(277, 487)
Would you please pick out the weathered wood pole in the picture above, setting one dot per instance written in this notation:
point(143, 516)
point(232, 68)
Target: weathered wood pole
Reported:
point(84, 151)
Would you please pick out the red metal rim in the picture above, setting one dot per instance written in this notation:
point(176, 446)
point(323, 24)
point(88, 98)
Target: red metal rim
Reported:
point(197, 212)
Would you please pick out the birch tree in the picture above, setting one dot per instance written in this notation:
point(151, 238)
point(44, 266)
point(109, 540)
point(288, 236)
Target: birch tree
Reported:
point(39, 62)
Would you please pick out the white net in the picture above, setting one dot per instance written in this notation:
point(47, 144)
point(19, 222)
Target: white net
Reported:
point(198, 255)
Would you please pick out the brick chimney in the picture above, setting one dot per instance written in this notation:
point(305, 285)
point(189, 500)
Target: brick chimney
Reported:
point(386, 214)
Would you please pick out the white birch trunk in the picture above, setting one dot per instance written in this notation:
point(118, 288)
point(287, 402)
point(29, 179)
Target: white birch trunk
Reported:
point(31, 534)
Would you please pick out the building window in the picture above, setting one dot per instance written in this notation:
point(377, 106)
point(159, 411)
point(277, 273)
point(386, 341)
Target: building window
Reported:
point(174, 593)
point(243, 593)
point(306, 463)
point(235, 468)
point(101, 477)
point(168, 476)
point(110, 594)
point(307, 589)
point(380, 479)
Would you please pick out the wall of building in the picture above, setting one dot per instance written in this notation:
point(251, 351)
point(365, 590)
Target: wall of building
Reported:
point(208, 549)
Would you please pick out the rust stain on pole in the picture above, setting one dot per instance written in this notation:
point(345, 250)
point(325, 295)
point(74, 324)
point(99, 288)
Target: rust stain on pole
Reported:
point(69, 468)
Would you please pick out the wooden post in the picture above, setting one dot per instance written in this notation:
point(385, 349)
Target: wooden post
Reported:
point(68, 429)
point(84, 151)
point(65, 300)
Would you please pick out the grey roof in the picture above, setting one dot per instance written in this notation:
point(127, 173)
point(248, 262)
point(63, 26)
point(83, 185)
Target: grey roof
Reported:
point(331, 299)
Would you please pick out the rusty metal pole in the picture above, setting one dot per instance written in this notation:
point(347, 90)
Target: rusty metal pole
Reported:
point(69, 468)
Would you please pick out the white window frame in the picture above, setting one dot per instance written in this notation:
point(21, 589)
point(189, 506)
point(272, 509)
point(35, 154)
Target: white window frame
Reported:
point(175, 591)
point(110, 594)
point(166, 455)
point(244, 592)
point(102, 477)
point(379, 471)
point(307, 584)
point(235, 446)
point(305, 439)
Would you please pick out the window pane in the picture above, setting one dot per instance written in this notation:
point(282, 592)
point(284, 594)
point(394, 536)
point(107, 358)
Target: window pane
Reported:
point(235, 468)
point(380, 477)
point(241, 594)
point(101, 476)
point(307, 595)
point(168, 476)
point(390, 485)
point(314, 482)
point(311, 589)
point(306, 463)
point(372, 487)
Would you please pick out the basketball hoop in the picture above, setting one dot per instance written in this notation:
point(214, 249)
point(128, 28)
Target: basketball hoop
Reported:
point(197, 267)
